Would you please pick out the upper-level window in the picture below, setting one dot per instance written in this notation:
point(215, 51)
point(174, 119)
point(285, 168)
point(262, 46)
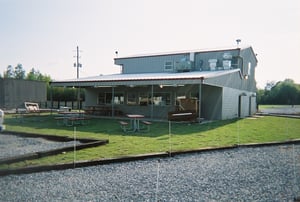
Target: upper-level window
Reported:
point(168, 66)
point(249, 68)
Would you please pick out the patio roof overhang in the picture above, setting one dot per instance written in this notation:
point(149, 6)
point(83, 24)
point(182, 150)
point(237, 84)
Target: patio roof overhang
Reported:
point(143, 79)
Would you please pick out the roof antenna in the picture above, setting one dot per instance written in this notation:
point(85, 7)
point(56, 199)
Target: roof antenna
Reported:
point(238, 41)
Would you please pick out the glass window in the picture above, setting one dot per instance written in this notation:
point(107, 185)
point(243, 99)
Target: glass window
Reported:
point(131, 99)
point(119, 98)
point(143, 99)
point(106, 98)
point(249, 68)
point(161, 99)
point(168, 66)
point(101, 98)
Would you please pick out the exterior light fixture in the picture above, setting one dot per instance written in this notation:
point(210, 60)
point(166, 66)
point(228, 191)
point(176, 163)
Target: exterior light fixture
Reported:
point(238, 41)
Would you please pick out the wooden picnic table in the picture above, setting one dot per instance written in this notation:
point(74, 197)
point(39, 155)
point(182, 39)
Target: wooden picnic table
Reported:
point(71, 118)
point(135, 121)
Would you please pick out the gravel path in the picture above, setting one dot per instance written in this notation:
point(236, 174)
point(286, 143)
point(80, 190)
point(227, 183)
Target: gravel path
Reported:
point(11, 145)
point(242, 174)
point(282, 110)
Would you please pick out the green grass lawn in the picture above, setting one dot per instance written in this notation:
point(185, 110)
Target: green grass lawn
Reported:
point(182, 136)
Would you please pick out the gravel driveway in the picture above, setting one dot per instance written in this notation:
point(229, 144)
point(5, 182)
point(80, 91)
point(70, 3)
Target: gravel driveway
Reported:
point(11, 145)
point(243, 174)
point(282, 110)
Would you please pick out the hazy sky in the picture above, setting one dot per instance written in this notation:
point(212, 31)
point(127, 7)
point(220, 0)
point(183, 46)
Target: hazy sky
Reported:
point(43, 34)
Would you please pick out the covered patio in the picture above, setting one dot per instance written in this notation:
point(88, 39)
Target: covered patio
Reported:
point(152, 94)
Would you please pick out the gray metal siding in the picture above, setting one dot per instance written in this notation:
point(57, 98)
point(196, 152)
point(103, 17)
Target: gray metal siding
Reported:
point(249, 57)
point(234, 80)
point(253, 105)
point(244, 106)
point(147, 64)
point(231, 106)
point(230, 103)
point(150, 64)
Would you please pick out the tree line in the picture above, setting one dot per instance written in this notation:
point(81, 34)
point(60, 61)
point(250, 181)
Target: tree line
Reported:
point(18, 72)
point(285, 92)
point(54, 93)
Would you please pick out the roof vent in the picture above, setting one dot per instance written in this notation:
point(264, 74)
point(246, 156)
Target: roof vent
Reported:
point(212, 64)
point(227, 56)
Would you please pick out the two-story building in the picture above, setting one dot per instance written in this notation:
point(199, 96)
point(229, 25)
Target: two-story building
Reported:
point(216, 84)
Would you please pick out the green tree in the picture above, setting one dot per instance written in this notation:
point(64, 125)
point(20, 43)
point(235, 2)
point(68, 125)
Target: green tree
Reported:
point(287, 92)
point(9, 73)
point(260, 96)
point(45, 78)
point(284, 92)
point(36, 75)
point(56, 93)
point(32, 74)
point(64, 94)
point(19, 72)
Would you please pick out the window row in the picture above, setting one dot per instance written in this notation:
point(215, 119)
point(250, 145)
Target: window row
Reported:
point(143, 99)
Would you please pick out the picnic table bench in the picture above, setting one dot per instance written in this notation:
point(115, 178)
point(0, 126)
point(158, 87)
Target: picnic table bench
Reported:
point(78, 120)
point(185, 115)
point(71, 119)
point(125, 126)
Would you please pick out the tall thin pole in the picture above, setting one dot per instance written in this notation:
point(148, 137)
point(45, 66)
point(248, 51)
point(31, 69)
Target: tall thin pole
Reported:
point(77, 62)
point(170, 144)
point(152, 103)
point(78, 65)
point(113, 101)
point(199, 100)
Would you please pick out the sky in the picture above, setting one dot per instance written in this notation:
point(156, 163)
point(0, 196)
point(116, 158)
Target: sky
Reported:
point(44, 34)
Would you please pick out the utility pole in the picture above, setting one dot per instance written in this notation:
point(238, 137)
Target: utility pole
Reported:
point(78, 65)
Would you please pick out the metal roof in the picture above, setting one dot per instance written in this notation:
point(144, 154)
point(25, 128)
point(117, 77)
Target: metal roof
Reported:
point(186, 51)
point(144, 79)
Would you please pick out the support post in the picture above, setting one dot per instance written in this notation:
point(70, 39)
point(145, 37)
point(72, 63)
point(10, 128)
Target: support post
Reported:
point(152, 104)
point(199, 99)
point(112, 101)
